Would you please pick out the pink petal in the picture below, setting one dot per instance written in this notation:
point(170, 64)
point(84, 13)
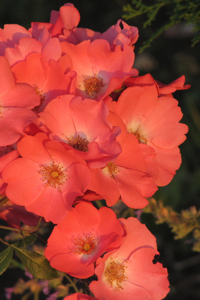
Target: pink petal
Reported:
point(33, 148)
point(134, 186)
point(162, 125)
point(49, 204)
point(13, 124)
point(24, 181)
point(7, 81)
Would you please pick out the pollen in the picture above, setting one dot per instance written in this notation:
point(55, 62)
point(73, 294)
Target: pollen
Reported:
point(42, 98)
point(84, 244)
point(139, 136)
point(112, 168)
point(53, 175)
point(92, 85)
point(115, 275)
point(79, 143)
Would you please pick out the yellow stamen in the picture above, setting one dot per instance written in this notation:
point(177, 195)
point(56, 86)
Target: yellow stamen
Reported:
point(53, 175)
point(112, 168)
point(79, 143)
point(115, 275)
point(84, 245)
point(92, 85)
point(42, 98)
point(139, 136)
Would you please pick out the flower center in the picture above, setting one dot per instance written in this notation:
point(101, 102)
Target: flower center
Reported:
point(92, 85)
point(42, 98)
point(79, 143)
point(53, 175)
point(84, 245)
point(115, 275)
point(139, 136)
point(112, 169)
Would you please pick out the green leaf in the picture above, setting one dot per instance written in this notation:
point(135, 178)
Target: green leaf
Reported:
point(5, 259)
point(28, 240)
point(36, 264)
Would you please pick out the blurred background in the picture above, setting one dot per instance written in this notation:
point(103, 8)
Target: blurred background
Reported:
point(169, 57)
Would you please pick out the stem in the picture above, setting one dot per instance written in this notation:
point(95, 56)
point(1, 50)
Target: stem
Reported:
point(37, 226)
point(23, 230)
point(4, 242)
point(10, 228)
point(72, 283)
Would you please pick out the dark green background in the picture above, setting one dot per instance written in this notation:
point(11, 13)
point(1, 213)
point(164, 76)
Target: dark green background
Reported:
point(167, 59)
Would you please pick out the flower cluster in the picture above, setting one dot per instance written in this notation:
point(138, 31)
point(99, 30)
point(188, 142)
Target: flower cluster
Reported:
point(78, 124)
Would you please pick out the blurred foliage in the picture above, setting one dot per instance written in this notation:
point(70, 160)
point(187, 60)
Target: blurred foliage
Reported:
point(178, 11)
point(181, 223)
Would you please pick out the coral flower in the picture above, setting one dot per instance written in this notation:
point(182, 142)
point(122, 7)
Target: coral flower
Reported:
point(126, 175)
point(47, 79)
point(82, 126)
point(99, 70)
point(155, 122)
point(79, 240)
point(16, 100)
point(129, 272)
point(47, 179)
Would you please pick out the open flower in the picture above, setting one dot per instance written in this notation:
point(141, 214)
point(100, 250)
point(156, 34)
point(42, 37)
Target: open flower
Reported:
point(99, 70)
point(47, 79)
point(47, 179)
point(79, 240)
point(126, 176)
point(82, 125)
point(129, 272)
point(154, 121)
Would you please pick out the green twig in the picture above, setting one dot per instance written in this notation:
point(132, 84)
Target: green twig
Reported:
point(71, 283)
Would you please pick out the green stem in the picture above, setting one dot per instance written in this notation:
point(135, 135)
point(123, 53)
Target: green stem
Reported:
point(4, 242)
point(23, 230)
point(37, 226)
point(10, 228)
point(72, 283)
